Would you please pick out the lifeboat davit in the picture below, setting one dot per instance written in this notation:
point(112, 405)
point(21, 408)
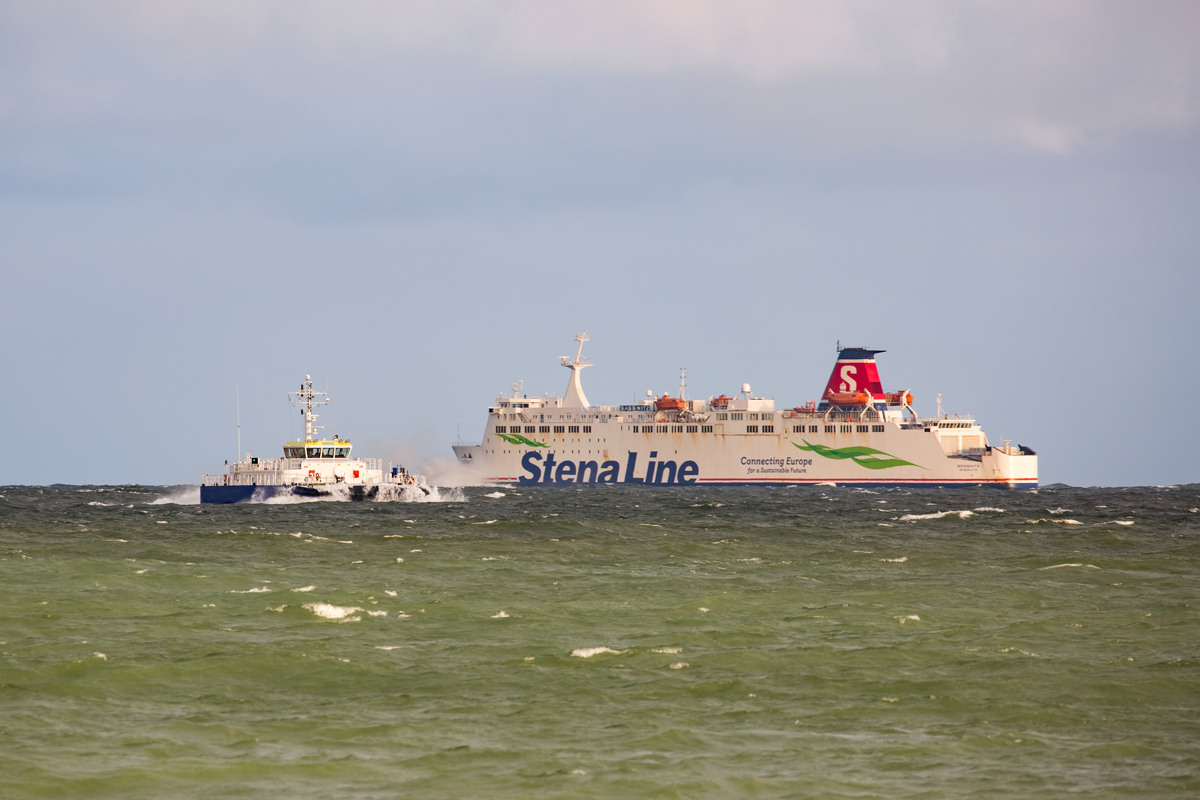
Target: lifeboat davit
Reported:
point(899, 398)
point(668, 403)
point(848, 398)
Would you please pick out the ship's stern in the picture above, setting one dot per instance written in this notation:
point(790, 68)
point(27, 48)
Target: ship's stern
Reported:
point(1015, 467)
point(467, 454)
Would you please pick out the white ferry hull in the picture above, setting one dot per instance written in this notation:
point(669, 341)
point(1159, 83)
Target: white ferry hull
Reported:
point(685, 459)
point(856, 435)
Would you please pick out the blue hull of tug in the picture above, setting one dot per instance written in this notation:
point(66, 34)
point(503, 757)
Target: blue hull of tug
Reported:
point(241, 494)
point(257, 494)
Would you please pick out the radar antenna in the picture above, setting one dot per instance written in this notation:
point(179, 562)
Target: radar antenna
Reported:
point(305, 399)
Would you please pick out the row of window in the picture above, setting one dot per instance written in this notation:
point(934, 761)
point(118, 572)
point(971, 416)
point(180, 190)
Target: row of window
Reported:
point(316, 452)
point(543, 429)
point(343, 452)
point(835, 428)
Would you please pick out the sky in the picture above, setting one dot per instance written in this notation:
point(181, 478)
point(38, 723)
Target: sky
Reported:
point(421, 203)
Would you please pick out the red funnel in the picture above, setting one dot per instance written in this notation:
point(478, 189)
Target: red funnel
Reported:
point(855, 371)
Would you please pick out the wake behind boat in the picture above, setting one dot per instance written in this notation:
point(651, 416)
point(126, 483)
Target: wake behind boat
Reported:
point(311, 468)
point(857, 434)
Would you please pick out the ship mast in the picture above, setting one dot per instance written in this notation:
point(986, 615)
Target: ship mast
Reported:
point(305, 399)
point(575, 398)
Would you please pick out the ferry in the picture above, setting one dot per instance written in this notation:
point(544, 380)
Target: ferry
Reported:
point(855, 435)
point(314, 468)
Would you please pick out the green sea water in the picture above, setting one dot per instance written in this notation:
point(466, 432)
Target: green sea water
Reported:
point(602, 642)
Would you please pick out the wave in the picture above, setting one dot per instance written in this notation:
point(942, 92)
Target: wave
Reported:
point(936, 515)
point(588, 652)
point(188, 496)
point(336, 613)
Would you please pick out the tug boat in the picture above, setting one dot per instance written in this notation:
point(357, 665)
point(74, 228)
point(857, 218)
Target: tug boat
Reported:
point(856, 435)
point(313, 467)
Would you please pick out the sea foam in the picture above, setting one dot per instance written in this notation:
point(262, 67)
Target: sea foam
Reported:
point(936, 515)
point(330, 611)
point(588, 652)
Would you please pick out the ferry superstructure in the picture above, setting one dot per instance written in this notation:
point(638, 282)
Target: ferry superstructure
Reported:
point(314, 467)
point(857, 435)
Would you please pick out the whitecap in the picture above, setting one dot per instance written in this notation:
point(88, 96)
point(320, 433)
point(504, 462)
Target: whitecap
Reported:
point(1124, 521)
point(98, 503)
point(990, 508)
point(936, 515)
point(1019, 650)
point(899, 560)
point(494, 495)
point(1059, 510)
point(487, 522)
point(278, 608)
point(1080, 564)
point(330, 611)
point(100, 656)
point(667, 650)
point(679, 665)
point(389, 592)
point(588, 652)
point(500, 615)
point(187, 497)
point(378, 613)
point(304, 589)
point(908, 617)
point(256, 590)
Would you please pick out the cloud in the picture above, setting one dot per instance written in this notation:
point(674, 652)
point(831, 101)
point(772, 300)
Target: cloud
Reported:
point(762, 39)
point(1051, 78)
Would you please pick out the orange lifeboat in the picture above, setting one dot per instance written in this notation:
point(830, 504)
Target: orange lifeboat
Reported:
point(847, 398)
point(668, 403)
point(899, 398)
point(719, 403)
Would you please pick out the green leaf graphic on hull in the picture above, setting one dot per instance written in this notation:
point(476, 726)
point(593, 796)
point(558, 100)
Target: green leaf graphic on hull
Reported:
point(863, 456)
point(516, 438)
